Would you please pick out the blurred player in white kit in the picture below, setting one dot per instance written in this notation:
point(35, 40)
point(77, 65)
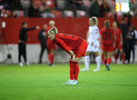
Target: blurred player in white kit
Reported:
point(93, 44)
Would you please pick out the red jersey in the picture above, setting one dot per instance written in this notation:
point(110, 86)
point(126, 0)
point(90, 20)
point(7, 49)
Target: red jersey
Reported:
point(117, 32)
point(67, 42)
point(107, 36)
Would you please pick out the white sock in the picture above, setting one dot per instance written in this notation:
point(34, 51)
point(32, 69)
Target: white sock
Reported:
point(98, 62)
point(87, 62)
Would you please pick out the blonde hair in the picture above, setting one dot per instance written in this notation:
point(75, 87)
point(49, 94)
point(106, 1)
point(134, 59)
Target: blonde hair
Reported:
point(53, 30)
point(52, 23)
point(95, 20)
point(114, 23)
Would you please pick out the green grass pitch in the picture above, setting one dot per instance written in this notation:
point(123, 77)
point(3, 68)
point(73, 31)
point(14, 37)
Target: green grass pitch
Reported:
point(41, 82)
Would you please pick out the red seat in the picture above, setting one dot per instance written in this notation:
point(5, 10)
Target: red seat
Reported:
point(57, 13)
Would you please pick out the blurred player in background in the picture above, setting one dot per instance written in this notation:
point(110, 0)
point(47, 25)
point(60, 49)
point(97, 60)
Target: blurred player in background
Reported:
point(22, 42)
point(43, 41)
point(75, 46)
point(107, 42)
point(119, 43)
point(124, 27)
point(93, 44)
point(131, 43)
point(51, 46)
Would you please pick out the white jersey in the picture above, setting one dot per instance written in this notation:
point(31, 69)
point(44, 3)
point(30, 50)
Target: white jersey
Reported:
point(93, 34)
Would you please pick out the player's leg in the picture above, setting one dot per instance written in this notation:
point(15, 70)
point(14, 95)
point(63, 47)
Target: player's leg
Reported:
point(80, 52)
point(52, 57)
point(71, 64)
point(129, 53)
point(102, 58)
point(133, 53)
point(24, 55)
point(105, 57)
point(115, 56)
point(122, 55)
point(97, 57)
point(76, 69)
point(49, 56)
point(20, 54)
point(87, 61)
point(109, 54)
point(41, 53)
point(97, 61)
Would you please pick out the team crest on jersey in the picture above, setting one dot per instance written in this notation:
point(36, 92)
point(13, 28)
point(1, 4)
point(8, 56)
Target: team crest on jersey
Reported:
point(95, 46)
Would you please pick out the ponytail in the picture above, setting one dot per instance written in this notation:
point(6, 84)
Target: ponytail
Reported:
point(106, 24)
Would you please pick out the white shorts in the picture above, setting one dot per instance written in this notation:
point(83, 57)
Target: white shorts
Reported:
point(94, 48)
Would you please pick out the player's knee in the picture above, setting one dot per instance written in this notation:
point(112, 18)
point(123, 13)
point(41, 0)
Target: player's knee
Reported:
point(97, 59)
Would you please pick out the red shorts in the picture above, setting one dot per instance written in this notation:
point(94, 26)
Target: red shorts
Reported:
point(81, 50)
point(107, 48)
point(118, 45)
point(50, 45)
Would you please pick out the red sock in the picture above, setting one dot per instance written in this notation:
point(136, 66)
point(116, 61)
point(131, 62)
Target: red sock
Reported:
point(123, 57)
point(115, 56)
point(108, 60)
point(49, 57)
point(76, 70)
point(105, 61)
point(102, 57)
point(71, 70)
point(52, 58)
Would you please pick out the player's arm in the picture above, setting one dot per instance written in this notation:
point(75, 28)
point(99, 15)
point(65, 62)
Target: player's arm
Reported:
point(62, 44)
point(29, 29)
point(121, 39)
point(65, 47)
point(101, 37)
point(114, 36)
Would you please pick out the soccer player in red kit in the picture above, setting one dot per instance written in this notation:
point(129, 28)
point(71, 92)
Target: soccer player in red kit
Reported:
point(107, 42)
point(119, 42)
point(75, 46)
point(51, 46)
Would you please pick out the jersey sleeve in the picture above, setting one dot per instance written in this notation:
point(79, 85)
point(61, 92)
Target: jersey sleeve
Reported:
point(29, 29)
point(62, 44)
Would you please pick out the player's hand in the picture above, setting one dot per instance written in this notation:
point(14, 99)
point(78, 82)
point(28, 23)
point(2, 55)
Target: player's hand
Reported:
point(92, 43)
point(72, 55)
point(72, 58)
point(37, 27)
point(130, 37)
